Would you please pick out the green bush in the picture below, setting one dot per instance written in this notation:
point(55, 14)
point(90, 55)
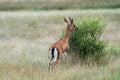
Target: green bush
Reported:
point(86, 41)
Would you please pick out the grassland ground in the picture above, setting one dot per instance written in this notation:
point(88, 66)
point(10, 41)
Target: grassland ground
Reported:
point(57, 4)
point(26, 35)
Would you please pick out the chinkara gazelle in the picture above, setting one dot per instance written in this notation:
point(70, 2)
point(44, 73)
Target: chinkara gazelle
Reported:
point(59, 48)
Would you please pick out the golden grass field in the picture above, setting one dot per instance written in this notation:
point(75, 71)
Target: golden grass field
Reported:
point(25, 37)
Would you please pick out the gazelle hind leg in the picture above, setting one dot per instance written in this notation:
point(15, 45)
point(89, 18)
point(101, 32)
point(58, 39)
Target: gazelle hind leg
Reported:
point(50, 66)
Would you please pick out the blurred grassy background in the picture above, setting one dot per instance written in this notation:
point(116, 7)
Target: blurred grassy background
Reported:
point(29, 27)
point(57, 4)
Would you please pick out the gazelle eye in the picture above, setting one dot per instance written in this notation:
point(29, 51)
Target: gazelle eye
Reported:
point(74, 25)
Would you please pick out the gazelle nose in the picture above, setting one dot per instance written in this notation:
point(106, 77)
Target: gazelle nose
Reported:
point(76, 28)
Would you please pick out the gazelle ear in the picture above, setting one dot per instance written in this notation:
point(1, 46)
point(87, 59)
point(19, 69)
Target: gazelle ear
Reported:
point(71, 20)
point(65, 20)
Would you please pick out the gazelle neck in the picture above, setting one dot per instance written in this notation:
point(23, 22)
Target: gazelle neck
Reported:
point(67, 35)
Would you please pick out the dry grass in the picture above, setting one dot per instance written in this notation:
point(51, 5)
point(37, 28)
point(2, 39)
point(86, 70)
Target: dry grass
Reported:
point(74, 72)
point(57, 4)
point(25, 37)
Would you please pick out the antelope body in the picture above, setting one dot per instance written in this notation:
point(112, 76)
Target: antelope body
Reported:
point(60, 47)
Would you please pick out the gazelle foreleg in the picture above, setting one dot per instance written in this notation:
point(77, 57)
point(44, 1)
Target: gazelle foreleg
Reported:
point(65, 57)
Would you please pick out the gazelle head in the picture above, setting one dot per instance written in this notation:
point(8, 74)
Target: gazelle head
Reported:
point(71, 26)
